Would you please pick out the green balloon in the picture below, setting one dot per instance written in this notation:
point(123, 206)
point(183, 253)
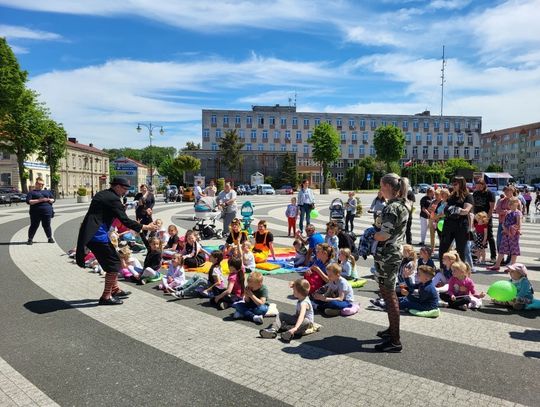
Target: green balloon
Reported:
point(502, 290)
point(314, 214)
point(440, 225)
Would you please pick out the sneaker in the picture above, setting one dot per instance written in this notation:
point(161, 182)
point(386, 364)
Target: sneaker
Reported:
point(277, 322)
point(384, 334)
point(286, 336)
point(332, 312)
point(50, 240)
point(379, 303)
point(29, 242)
point(223, 305)
point(268, 333)
point(388, 346)
point(463, 307)
point(258, 319)
point(237, 315)
point(178, 294)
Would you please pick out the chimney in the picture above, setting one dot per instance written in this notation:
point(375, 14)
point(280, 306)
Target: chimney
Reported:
point(72, 139)
point(90, 145)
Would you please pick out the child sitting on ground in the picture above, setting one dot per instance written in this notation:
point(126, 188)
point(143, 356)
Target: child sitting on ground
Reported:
point(301, 251)
point(173, 242)
point(235, 285)
point(348, 264)
point(316, 274)
point(152, 262)
point(161, 233)
point(198, 285)
point(255, 303)
point(248, 259)
point(335, 295)
point(461, 291)
point(175, 276)
point(440, 281)
point(129, 263)
point(331, 238)
point(425, 258)
point(291, 325)
point(427, 298)
point(407, 269)
point(525, 292)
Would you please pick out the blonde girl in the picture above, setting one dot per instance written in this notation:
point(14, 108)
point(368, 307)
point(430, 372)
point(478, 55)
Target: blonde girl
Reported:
point(152, 262)
point(461, 291)
point(510, 234)
point(198, 285)
point(129, 264)
point(481, 236)
point(175, 275)
point(248, 259)
point(348, 264)
point(407, 269)
point(440, 281)
point(161, 233)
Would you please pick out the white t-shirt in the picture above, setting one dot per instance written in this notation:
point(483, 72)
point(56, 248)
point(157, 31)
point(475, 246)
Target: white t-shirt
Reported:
point(309, 310)
point(335, 288)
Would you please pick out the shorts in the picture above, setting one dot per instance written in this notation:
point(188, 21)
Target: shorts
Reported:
point(387, 267)
point(106, 255)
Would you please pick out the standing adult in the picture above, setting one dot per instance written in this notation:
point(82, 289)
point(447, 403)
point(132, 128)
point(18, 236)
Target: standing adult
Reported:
point(502, 209)
point(528, 198)
point(425, 203)
point(145, 203)
point(211, 189)
point(412, 199)
point(306, 202)
point(227, 201)
point(456, 222)
point(93, 234)
point(197, 191)
point(41, 210)
point(388, 255)
point(484, 201)
point(377, 205)
point(432, 222)
point(350, 207)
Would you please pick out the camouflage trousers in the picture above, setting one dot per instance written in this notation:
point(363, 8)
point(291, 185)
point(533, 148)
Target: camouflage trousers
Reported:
point(387, 267)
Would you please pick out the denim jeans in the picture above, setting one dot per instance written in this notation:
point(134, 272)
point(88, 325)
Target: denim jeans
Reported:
point(249, 309)
point(334, 304)
point(305, 210)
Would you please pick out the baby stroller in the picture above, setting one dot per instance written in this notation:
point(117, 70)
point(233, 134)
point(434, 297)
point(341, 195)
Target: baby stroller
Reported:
point(337, 212)
point(206, 215)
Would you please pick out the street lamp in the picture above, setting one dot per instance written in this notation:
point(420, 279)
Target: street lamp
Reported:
point(150, 128)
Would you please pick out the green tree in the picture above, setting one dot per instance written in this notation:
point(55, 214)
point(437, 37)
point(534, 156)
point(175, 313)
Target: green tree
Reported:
point(230, 148)
point(389, 142)
point(53, 149)
point(288, 171)
point(184, 163)
point(191, 146)
point(171, 171)
point(354, 177)
point(455, 164)
point(115, 153)
point(326, 149)
point(154, 155)
point(22, 130)
point(494, 168)
point(12, 80)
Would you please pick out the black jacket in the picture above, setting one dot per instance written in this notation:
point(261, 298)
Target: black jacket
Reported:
point(105, 206)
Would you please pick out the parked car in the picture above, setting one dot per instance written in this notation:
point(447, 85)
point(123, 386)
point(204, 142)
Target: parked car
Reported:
point(422, 188)
point(470, 186)
point(241, 190)
point(521, 187)
point(188, 195)
point(265, 189)
point(285, 190)
point(248, 190)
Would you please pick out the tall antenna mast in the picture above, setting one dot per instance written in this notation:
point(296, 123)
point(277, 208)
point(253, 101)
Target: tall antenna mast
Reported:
point(442, 80)
point(295, 98)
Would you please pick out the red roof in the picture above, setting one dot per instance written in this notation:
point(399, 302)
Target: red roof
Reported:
point(85, 147)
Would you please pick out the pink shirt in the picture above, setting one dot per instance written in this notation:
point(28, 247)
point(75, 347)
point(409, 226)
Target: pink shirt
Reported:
point(502, 207)
point(237, 288)
point(461, 287)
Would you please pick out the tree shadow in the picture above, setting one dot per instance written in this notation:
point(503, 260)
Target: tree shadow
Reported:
point(527, 335)
point(52, 305)
point(331, 345)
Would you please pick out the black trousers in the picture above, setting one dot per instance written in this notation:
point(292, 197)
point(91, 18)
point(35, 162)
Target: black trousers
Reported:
point(349, 219)
point(35, 220)
point(454, 230)
point(491, 240)
point(408, 234)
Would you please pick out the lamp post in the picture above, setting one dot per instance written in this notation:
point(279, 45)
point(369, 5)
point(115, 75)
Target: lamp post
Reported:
point(150, 128)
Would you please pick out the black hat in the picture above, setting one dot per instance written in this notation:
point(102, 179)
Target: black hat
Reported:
point(120, 181)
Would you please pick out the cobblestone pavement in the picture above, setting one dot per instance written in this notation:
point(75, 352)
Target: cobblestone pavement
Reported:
point(59, 348)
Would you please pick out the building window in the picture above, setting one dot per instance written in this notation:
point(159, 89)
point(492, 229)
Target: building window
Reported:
point(343, 136)
point(351, 149)
point(260, 147)
point(445, 151)
point(457, 126)
point(288, 134)
point(299, 135)
point(435, 125)
point(306, 149)
point(394, 123)
point(242, 134)
point(338, 122)
point(309, 134)
point(351, 122)
point(476, 152)
point(415, 151)
point(214, 147)
point(470, 139)
point(362, 123)
point(354, 136)
point(426, 124)
point(248, 147)
point(439, 138)
point(283, 147)
point(466, 153)
point(418, 137)
point(225, 120)
point(329, 121)
point(317, 121)
point(277, 134)
point(456, 151)
point(283, 121)
point(260, 120)
point(371, 150)
point(436, 152)
point(306, 121)
point(237, 119)
point(218, 133)
point(373, 123)
point(295, 121)
point(405, 124)
point(213, 119)
point(206, 133)
point(365, 136)
point(425, 150)
point(446, 125)
point(295, 148)
point(460, 138)
point(383, 122)
point(408, 137)
point(265, 134)
point(415, 124)
point(5, 179)
point(249, 120)
point(362, 150)
point(4, 155)
point(429, 138)
point(254, 134)
point(272, 147)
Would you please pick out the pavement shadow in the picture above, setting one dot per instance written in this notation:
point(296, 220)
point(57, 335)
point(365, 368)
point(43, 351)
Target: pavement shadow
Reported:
point(331, 345)
point(531, 354)
point(532, 335)
point(52, 305)
point(497, 310)
point(12, 243)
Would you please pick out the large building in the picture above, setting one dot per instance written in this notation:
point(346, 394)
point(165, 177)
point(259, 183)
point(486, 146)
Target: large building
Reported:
point(515, 149)
point(270, 129)
point(84, 166)
point(9, 170)
point(135, 171)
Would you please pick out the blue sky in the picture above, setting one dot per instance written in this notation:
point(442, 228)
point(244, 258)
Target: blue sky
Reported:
point(104, 65)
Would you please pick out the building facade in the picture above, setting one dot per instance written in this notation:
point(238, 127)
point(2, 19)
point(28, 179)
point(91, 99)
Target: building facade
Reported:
point(83, 166)
point(271, 129)
point(212, 166)
point(136, 172)
point(515, 149)
point(9, 171)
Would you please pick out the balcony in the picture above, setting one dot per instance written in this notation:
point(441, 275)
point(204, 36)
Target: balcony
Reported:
point(298, 141)
point(283, 126)
point(355, 141)
point(260, 125)
point(213, 124)
point(226, 125)
point(306, 126)
point(237, 125)
point(365, 141)
point(295, 126)
point(339, 127)
point(249, 125)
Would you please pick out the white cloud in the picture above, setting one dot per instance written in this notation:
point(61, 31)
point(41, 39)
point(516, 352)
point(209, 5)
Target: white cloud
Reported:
point(18, 32)
point(449, 4)
point(18, 50)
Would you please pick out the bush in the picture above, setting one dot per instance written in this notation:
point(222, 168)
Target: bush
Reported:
point(220, 184)
point(82, 191)
point(333, 183)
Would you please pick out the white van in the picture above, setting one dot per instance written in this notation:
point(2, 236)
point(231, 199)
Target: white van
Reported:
point(265, 189)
